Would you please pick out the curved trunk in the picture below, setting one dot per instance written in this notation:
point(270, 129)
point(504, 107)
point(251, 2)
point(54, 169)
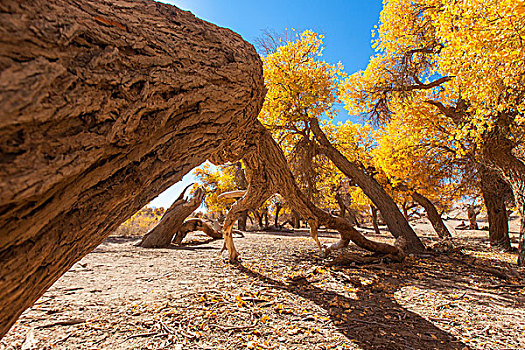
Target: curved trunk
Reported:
point(396, 222)
point(170, 223)
point(494, 191)
point(433, 215)
point(104, 105)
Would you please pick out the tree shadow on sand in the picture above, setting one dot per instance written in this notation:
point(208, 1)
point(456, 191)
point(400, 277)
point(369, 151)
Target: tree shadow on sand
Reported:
point(374, 320)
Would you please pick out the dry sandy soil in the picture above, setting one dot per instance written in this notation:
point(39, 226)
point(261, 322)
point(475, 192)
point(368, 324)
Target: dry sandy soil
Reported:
point(282, 296)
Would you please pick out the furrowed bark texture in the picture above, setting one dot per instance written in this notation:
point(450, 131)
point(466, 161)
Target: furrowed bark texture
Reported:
point(497, 152)
point(170, 223)
point(104, 105)
point(267, 172)
point(494, 191)
point(396, 222)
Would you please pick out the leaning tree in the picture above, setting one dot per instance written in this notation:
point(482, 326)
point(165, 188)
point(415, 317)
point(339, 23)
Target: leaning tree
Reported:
point(104, 105)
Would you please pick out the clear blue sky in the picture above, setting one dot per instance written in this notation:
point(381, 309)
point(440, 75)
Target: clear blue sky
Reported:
point(346, 25)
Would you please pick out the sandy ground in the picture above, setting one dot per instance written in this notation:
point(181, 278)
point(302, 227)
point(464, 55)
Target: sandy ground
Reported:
point(283, 295)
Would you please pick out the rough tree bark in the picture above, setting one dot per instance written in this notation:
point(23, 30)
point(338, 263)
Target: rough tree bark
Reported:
point(498, 153)
point(494, 190)
point(432, 214)
point(105, 104)
point(267, 172)
point(170, 223)
point(396, 222)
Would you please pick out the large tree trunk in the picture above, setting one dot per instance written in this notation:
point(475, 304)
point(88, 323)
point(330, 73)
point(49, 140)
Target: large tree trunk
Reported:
point(104, 105)
point(267, 172)
point(497, 152)
point(494, 191)
point(170, 223)
point(396, 222)
point(433, 215)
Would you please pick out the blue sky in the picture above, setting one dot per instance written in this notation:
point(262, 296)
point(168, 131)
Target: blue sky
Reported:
point(346, 25)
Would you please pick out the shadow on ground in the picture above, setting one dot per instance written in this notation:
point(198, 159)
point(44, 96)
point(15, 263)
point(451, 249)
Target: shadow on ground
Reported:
point(375, 320)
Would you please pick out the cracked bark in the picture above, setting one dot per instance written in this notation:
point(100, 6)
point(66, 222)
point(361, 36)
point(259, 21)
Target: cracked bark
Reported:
point(498, 153)
point(104, 106)
point(494, 191)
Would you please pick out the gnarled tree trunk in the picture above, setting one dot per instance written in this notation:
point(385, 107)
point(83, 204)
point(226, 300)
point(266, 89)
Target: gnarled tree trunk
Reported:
point(104, 105)
point(267, 172)
point(498, 152)
point(162, 234)
point(494, 191)
point(396, 222)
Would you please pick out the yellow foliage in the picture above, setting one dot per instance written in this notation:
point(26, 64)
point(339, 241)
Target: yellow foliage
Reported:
point(475, 45)
point(141, 222)
point(217, 180)
point(300, 86)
